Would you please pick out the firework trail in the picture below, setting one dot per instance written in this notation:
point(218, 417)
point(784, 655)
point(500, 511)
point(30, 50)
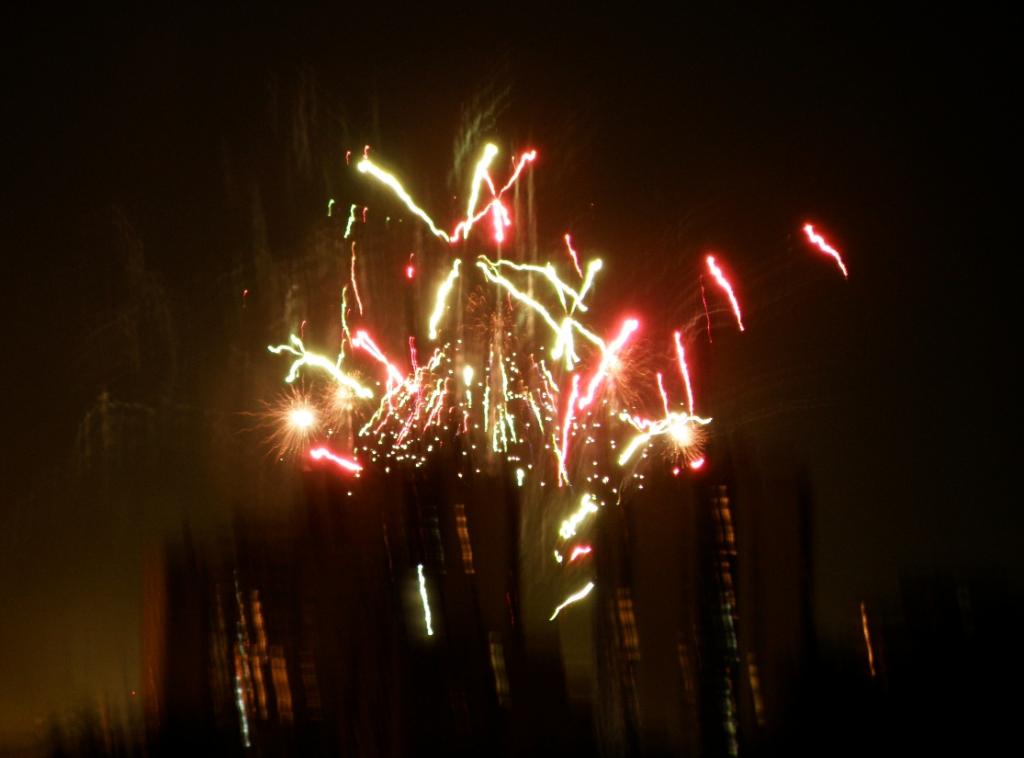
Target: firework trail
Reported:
point(442, 297)
point(355, 286)
point(572, 254)
point(349, 465)
point(716, 272)
point(819, 242)
point(580, 551)
point(683, 369)
point(573, 598)
point(707, 316)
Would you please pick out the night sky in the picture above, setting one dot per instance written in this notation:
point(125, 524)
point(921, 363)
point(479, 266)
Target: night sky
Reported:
point(136, 149)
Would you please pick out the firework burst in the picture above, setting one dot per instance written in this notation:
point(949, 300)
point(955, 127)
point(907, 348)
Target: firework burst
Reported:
point(555, 398)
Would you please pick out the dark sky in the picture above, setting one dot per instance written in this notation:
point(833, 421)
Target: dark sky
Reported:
point(134, 147)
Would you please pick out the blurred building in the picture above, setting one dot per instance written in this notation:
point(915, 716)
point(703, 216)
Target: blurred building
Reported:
point(703, 614)
point(378, 617)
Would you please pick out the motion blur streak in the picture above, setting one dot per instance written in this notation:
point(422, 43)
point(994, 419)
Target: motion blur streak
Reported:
point(427, 618)
point(819, 242)
point(346, 464)
point(573, 598)
point(716, 272)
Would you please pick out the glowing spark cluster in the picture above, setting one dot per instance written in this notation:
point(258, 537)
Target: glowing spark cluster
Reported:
point(681, 428)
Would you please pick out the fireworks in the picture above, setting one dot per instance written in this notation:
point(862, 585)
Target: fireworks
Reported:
point(294, 423)
point(533, 403)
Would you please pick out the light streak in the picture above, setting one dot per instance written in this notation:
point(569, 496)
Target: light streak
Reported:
point(479, 176)
point(569, 526)
point(588, 280)
point(355, 286)
point(630, 448)
point(495, 207)
point(413, 354)
point(563, 451)
point(684, 370)
point(330, 205)
point(867, 638)
point(573, 598)
point(822, 244)
point(351, 220)
point(491, 272)
point(306, 358)
point(520, 476)
point(364, 341)
point(724, 284)
point(366, 166)
point(528, 157)
point(608, 359)
point(579, 551)
point(572, 254)
point(499, 214)
point(548, 272)
point(664, 395)
point(442, 296)
point(427, 618)
point(345, 335)
point(346, 464)
point(563, 332)
point(704, 300)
